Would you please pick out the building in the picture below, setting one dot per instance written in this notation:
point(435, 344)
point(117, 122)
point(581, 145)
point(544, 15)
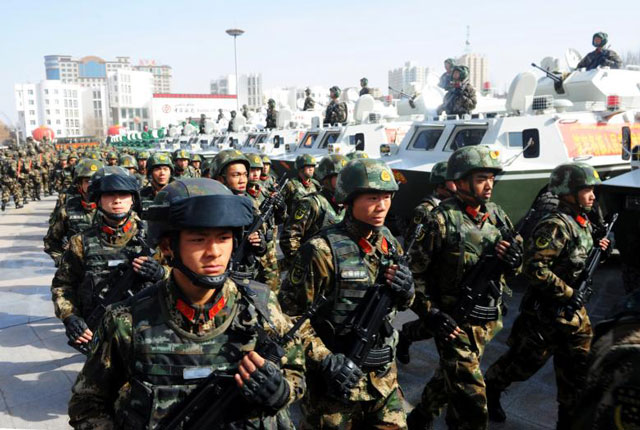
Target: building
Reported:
point(478, 69)
point(293, 97)
point(93, 71)
point(407, 78)
point(174, 108)
point(250, 91)
point(130, 95)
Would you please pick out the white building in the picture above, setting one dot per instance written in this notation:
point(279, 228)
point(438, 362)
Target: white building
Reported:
point(249, 91)
point(407, 78)
point(130, 95)
point(293, 97)
point(161, 75)
point(174, 108)
point(478, 69)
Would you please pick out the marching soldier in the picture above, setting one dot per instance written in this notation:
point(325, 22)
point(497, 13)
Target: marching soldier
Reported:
point(142, 158)
point(600, 57)
point(159, 174)
point(461, 97)
point(553, 319)
point(303, 184)
point(10, 186)
point(112, 158)
point(182, 169)
point(342, 263)
point(208, 322)
point(336, 112)
point(460, 232)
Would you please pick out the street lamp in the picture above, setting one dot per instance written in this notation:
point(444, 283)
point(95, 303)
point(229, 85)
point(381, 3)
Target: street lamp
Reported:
point(235, 32)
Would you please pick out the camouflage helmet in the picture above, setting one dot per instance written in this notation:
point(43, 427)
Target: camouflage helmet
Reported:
point(159, 159)
point(181, 154)
point(303, 160)
point(255, 161)
point(205, 168)
point(71, 155)
point(112, 155)
point(271, 102)
point(469, 159)
point(570, 178)
point(93, 155)
point(330, 165)
point(143, 155)
point(22, 153)
point(463, 72)
point(196, 157)
point(128, 161)
point(438, 173)
point(226, 157)
point(307, 91)
point(266, 159)
point(357, 154)
point(604, 38)
point(364, 82)
point(450, 61)
point(335, 90)
point(86, 168)
point(364, 175)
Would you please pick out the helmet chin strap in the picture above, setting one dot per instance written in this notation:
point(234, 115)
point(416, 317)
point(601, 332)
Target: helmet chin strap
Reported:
point(116, 217)
point(202, 281)
point(471, 194)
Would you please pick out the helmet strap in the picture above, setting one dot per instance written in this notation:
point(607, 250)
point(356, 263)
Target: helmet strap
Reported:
point(202, 281)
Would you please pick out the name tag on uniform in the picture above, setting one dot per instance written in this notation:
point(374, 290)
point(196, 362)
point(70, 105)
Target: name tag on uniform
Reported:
point(76, 217)
point(196, 372)
point(114, 263)
point(353, 274)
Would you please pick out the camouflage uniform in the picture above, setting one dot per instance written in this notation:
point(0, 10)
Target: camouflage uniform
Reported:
point(555, 255)
point(297, 188)
point(272, 115)
point(309, 103)
point(459, 101)
point(336, 112)
point(600, 58)
point(189, 172)
point(23, 177)
point(610, 395)
point(10, 185)
point(75, 217)
point(35, 176)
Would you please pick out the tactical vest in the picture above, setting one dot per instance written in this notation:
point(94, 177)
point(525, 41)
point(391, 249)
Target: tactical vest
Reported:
point(327, 215)
point(168, 363)
point(78, 218)
point(352, 281)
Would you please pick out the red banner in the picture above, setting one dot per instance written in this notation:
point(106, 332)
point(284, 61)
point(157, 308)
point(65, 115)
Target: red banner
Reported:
point(596, 139)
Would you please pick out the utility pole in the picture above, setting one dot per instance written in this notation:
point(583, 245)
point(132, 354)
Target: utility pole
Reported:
point(235, 32)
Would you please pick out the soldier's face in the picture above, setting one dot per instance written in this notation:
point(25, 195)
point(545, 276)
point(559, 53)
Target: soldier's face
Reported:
point(112, 162)
point(206, 251)
point(254, 174)
point(371, 208)
point(72, 161)
point(447, 67)
point(307, 171)
point(266, 168)
point(182, 163)
point(586, 198)
point(161, 175)
point(195, 164)
point(142, 164)
point(84, 185)
point(597, 41)
point(235, 176)
point(63, 163)
point(480, 185)
point(117, 203)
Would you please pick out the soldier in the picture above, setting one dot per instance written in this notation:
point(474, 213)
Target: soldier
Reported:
point(446, 78)
point(245, 111)
point(196, 161)
point(336, 111)
point(141, 173)
point(220, 115)
point(159, 171)
point(75, 215)
point(181, 159)
point(461, 97)
point(459, 232)
point(129, 163)
point(553, 319)
point(364, 86)
point(272, 115)
point(600, 57)
point(302, 184)
point(209, 322)
point(112, 158)
point(309, 102)
point(10, 187)
point(316, 210)
point(268, 177)
point(24, 164)
point(342, 263)
point(231, 128)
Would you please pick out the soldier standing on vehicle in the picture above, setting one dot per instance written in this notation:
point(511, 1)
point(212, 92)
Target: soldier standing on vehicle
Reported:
point(116, 236)
point(600, 57)
point(309, 103)
point(272, 115)
point(553, 319)
point(303, 184)
point(182, 169)
point(245, 111)
point(231, 127)
point(461, 233)
point(336, 112)
point(342, 263)
point(364, 86)
point(446, 78)
point(461, 97)
point(208, 322)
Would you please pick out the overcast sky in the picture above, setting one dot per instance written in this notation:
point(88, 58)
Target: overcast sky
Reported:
point(302, 42)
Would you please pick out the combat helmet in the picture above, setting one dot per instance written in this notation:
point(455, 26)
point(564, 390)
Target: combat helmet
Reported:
point(112, 155)
point(110, 179)
point(226, 157)
point(271, 103)
point(450, 61)
point(357, 154)
point(255, 161)
point(364, 82)
point(266, 159)
point(128, 161)
point(469, 159)
point(463, 72)
point(143, 155)
point(181, 154)
point(159, 159)
point(303, 160)
point(86, 168)
point(335, 90)
point(604, 38)
point(364, 175)
point(196, 203)
point(330, 165)
point(569, 178)
point(196, 157)
point(438, 173)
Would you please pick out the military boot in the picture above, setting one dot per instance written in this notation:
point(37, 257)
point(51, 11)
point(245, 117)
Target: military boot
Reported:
point(496, 413)
point(417, 420)
point(402, 349)
point(25, 201)
point(4, 206)
point(18, 205)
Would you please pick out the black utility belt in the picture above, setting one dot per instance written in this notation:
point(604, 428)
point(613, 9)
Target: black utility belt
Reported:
point(484, 314)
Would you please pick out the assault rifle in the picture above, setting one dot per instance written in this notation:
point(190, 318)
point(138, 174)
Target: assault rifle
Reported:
point(208, 405)
point(557, 80)
point(583, 286)
point(266, 210)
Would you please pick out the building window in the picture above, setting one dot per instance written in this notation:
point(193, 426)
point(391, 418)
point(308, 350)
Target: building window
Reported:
point(32, 112)
point(123, 113)
point(77, 123)
point(145, 113)
point(75, 103)
point(46, 91)
point(48, 112)
point(58, 123)
point(46, 101)
point(32, 122)
point(31, 102)
point(57, 111)
point(48, 122)
point(30, 92)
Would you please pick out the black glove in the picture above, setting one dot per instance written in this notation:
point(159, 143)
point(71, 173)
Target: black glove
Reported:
point(261, 248)
point(75, 327)
point(576, 302)
point(278, 201)
point(402, 285)
point(442, 324)
point(151, 270)
point(341, 375)
point(267, 387)
point(513, 256)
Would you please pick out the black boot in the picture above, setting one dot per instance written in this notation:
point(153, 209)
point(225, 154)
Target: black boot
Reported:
point(18, 205)
point(496, 413)
point(25, 201)
point(402, 349)
point(4, 206)
point(416, 420)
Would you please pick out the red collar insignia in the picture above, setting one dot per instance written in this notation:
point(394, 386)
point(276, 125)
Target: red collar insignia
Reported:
point(111, 231)
point(88, 205)
point(582, 221)
point(190, 313)
point(473, 213)
point(365, 245)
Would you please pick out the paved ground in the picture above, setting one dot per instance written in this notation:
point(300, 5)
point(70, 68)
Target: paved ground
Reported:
point(37, 368)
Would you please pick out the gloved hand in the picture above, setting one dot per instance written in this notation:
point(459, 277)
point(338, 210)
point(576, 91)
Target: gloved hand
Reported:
point(442, 324)
point(75, 327)
point(402, 284)
point(513, 255)
point(341, 375)
point(576, 301)
point(151, 270)
point(278, 201)
point(266, 387)
point(260, 245)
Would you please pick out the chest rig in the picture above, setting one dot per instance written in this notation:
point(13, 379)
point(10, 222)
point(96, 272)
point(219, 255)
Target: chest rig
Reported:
point(327, 215)
point(80, 215)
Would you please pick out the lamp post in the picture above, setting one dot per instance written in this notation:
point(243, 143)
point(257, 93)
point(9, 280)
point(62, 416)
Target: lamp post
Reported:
point(235, 32)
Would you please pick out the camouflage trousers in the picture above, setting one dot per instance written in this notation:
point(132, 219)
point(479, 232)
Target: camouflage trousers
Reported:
point(268, 270)
point(322, 412)
point(532, 343)
point(46, 185)
point(10, 187)
point(35, 180)
point(464, 384)
point(630, 277)
point(25, 184)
